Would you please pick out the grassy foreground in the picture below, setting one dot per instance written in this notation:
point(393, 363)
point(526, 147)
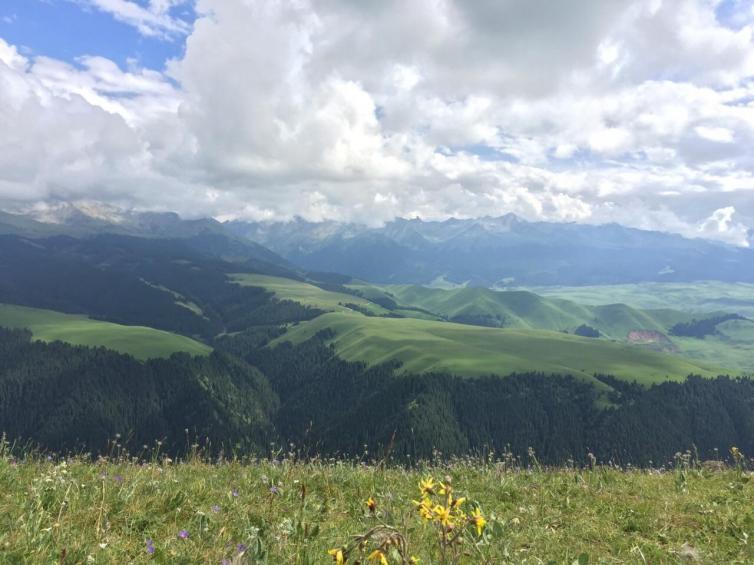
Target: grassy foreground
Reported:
point(139, 341)
point(115, 511)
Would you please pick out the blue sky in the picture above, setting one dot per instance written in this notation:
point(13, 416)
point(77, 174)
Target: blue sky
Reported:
point(67, 30)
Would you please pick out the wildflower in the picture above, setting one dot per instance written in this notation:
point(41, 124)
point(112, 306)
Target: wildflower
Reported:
point(118, 478)
point(378, 556)
point(337, 555)
point(413, 560)
point(234, 493)
point(183, 534)
point(457, 502)
point(427, 486)
point(274, 490)
point(442, 515)
point(371, 504)
point(241, 548)
point(215, 508)
point(150, 546)
point(478, 520)
point(424, 507)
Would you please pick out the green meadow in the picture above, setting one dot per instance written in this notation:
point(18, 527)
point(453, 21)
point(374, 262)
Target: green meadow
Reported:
point(283, 511)
point(423, 346)
point(139, 341)
point(702, 296)
point(526, 310)
point(305, 293)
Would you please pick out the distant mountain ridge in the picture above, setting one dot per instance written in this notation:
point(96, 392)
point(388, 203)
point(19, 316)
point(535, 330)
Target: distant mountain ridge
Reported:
point(503, 251)
point(205, 235)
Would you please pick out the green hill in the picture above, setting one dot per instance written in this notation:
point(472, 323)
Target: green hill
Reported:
point(423, 346)
point(526, 310)
point(305, 293)
point(536, 338)
point(139, 341)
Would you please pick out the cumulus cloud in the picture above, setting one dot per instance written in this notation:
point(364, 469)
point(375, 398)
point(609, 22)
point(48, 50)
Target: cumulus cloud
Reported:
point(583, 110)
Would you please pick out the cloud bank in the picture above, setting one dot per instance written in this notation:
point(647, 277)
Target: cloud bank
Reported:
point(581, 110)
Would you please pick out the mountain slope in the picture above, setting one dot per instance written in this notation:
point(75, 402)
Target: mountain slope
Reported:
point(139, 341)
point(499, 251)
point(427, 346)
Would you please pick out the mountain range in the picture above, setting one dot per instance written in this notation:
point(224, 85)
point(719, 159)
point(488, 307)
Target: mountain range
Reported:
point(495, 252)
point(499, 252)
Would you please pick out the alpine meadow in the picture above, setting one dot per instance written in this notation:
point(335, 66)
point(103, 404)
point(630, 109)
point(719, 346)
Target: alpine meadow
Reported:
point(376, 283)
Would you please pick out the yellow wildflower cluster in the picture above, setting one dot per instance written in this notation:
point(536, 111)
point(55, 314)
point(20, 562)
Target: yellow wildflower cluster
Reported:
point(439, 505)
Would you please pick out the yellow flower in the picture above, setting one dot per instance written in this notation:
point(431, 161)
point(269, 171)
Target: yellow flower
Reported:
point(371, 504)
point(456, 503)
point(377, 555)
point(424, 507)
point(337, 555)
point(413, 560)
point(427, 486)
point(478, 520)
point(442, 515)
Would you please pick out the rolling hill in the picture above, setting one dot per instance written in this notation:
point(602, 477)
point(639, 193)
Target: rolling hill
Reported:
point(428, 346)
point(534, 340)
point(139, 341)
point(526, 310)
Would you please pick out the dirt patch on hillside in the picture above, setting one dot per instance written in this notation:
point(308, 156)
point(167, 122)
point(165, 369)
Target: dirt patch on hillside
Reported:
point(652, 339)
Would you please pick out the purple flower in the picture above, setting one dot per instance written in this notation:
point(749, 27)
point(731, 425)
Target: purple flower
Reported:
point(216, 508)
point(274, 490)
point(234, 492)
point(183, 534)
point(241, 548)
point(150, 546)
point(118, 478)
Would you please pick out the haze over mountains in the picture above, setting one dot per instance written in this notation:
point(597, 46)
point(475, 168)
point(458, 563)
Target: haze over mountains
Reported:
point(504, 251)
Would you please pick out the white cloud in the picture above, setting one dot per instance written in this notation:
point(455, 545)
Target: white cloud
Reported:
point(154, 20)
point(582, 110)
point(721, 225)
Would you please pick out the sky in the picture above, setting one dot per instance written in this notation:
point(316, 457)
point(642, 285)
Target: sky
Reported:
point(639, 112)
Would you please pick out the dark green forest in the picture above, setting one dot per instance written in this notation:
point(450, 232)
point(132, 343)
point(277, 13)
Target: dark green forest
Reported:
point(63, 397)
point(702, 328)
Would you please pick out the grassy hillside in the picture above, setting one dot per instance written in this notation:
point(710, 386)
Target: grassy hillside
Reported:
point(76, 511)
point(306, 293)
point(734, 342)
point(424, 346)
point(702, 296)
point(139, 341)
point(526, 310)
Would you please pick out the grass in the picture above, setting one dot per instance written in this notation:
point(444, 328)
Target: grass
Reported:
point(307, 294)
point(526, 310)
point(733, 342)
point(702, 296)
point(114, 510)
point(424, 346)
point(139, 341)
